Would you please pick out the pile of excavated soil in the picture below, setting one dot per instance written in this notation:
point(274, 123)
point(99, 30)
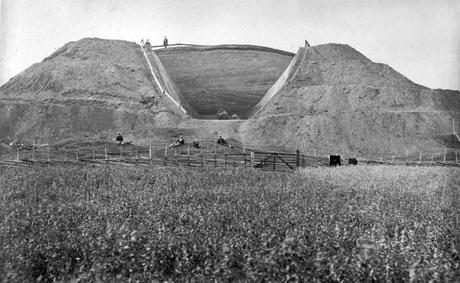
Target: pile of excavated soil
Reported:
point(339, 101)
point(331, 99)
point(229, 77)
point(85, 88)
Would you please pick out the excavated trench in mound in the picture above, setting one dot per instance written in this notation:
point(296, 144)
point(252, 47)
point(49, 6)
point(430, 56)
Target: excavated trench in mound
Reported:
point(220, 82)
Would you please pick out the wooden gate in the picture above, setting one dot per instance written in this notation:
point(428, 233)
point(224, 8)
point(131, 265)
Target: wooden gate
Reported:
point(275, 161)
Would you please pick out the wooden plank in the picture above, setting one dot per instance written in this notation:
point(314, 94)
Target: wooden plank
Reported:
point(262, 162)
point(283, 161)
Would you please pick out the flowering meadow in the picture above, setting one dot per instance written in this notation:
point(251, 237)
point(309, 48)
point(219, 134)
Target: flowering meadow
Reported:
point(120, 224)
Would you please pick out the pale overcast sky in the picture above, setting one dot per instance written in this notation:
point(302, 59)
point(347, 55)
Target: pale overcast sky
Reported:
point(419, 38)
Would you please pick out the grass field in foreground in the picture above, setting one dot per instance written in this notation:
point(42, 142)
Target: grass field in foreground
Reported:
point(344, 224)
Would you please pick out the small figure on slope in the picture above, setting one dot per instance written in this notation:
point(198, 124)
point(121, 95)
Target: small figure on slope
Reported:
point(178, 142)
point(223, 142)
point(165, 42)
point(196, 144)
point(119, 139)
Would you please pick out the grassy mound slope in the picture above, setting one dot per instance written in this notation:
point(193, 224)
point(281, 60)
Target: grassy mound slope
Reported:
point(344, 224)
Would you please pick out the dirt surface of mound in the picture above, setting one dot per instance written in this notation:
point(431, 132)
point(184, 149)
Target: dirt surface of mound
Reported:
point(85, 88)
point(333, 99)
point(230, 77)
point(327, 98)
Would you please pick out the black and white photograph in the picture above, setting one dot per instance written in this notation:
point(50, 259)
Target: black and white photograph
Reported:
point(229, 141)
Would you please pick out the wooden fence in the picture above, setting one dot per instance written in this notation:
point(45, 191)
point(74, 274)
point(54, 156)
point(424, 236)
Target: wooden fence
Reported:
point(209, 155)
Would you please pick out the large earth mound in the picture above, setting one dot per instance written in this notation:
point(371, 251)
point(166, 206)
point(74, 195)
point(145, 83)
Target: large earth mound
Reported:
point(333, 99)
point(85, 88)
point(229, 77)
point(328, 98)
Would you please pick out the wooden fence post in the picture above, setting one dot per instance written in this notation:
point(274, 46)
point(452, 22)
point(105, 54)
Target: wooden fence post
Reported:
point(48, 154)
point(105, 153)
point(317, 154)
point(166, 155)
point(274, 161)
point(297, 159)
point(432, 158)
point(136, 157)
point(33, 150)
point(252, 159)
point(76, 156)
point(456, 157)
point(420, 157)
point(17, 155)
point(244, 158)
point(188, 149)
point(215, 159)
point(393, 158)
point(121, 152)
point(65, 155)
point(445, 153)
point(407, 154)
point(150, 154)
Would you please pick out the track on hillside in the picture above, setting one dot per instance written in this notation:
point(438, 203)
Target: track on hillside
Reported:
point(161, 86)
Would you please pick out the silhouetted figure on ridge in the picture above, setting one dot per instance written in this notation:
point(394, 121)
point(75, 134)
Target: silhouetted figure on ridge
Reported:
point(307, 44)
point(165, 42)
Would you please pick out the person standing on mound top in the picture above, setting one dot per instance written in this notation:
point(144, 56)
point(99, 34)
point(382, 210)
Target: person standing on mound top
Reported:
point(165, 42)
point(307, 44)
